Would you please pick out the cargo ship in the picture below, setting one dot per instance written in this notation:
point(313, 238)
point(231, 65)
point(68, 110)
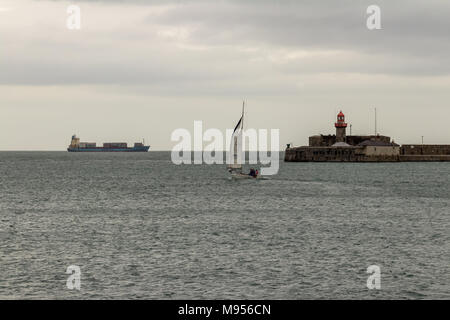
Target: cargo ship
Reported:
point(77, 146)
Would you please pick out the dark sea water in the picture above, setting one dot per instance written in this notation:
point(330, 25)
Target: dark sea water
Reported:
point(140, 227)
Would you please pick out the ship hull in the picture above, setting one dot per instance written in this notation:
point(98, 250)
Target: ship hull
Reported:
point(102, 149)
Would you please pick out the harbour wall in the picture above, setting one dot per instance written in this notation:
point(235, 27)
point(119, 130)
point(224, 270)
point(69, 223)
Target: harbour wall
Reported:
point(426, 149)
point(405, 153)
point(340, 154)
point(424, 158)
point(329, 140)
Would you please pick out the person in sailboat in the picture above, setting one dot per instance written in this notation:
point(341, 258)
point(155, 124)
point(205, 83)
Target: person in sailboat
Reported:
point(253, 173)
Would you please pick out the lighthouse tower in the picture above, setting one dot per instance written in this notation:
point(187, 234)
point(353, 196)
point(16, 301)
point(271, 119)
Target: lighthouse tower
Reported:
point(341, 127)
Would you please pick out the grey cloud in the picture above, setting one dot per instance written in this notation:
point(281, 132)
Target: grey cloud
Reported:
point(413, 42)
point(295, 61)
point(409, 27)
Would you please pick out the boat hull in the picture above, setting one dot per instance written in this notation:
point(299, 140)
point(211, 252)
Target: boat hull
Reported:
point(240, 176)
point(101, 149)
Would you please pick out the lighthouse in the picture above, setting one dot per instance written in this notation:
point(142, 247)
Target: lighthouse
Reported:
point(341, 127)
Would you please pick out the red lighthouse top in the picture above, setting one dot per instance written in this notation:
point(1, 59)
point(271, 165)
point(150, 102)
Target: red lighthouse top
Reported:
point(340, 121)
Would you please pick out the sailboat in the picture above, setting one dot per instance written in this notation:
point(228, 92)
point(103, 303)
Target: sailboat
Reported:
point(235, 166)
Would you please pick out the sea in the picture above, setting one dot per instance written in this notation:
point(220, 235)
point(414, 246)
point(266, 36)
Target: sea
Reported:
point(137, 226)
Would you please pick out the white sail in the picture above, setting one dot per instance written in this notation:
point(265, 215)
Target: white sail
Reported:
point(236, 145)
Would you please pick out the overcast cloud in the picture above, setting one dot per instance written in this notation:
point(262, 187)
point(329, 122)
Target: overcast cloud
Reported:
point(144, 68)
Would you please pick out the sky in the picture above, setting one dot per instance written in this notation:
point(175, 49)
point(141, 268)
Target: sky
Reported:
point(141, 69)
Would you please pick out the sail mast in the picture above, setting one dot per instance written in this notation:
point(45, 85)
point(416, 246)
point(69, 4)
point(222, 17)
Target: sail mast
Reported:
point(243, 105)
point(236, 143)
point(241, 137)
